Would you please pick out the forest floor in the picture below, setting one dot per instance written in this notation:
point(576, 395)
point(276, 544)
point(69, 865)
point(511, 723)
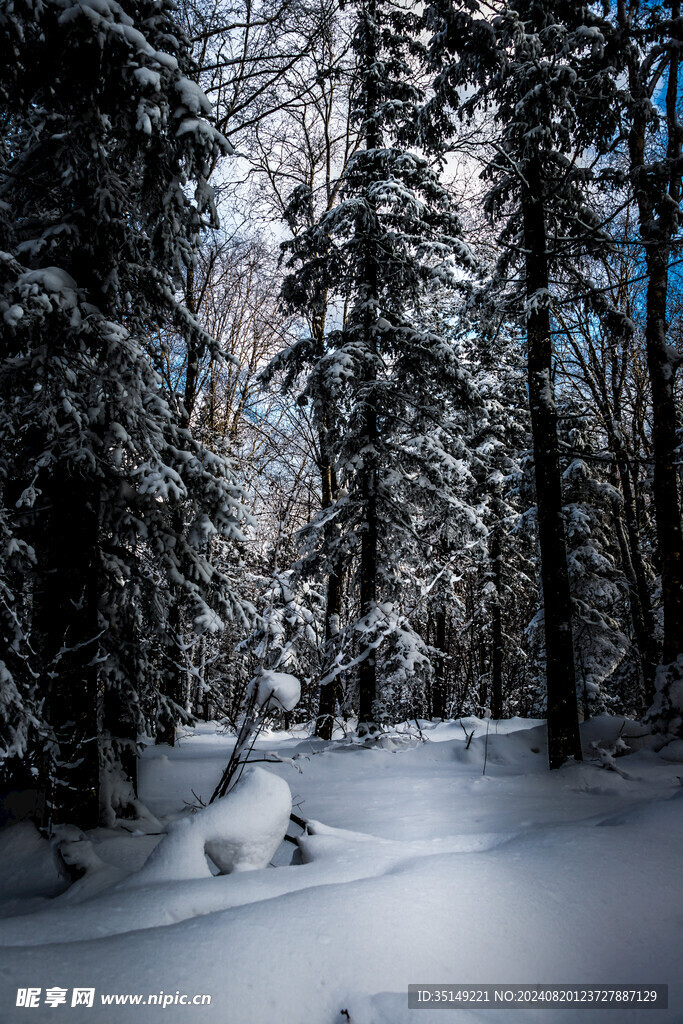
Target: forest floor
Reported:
point(429, 870)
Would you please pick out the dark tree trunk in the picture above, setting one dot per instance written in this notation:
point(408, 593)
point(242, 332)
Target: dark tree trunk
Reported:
point(497, 627)
point(172, 682)
point(173, 679)
point(65, 632)
point(367, 673)
point(563, 723)
point(439, 686)
point(658, 194)
point(194, 353)
point(664, 447)
point(329, 691)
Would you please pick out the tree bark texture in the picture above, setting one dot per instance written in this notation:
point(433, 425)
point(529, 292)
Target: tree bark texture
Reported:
point(65, 625)
point(563, 724)
point(658, 194)
point(367, 674)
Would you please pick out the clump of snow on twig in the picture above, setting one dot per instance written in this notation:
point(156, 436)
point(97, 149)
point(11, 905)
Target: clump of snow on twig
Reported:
point(275, 690)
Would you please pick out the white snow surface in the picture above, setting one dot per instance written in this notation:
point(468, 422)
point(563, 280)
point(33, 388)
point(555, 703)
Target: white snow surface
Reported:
point(418, 867)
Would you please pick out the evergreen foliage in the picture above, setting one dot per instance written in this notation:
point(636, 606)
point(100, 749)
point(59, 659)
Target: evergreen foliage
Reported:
point(103, 488)
point(393, 240)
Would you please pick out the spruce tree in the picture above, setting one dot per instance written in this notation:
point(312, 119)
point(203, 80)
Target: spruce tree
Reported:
point(393, 238)
point(103, 487)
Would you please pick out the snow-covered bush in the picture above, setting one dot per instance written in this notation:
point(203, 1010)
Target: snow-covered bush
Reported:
point(239, 832)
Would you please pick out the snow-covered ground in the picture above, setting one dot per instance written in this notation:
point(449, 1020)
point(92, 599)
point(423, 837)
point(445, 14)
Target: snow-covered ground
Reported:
point(423, 869)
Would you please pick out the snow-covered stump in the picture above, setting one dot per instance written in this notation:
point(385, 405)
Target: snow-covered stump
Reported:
point(239, 832)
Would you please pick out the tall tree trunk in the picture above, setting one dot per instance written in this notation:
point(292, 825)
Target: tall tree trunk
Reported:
point(658, 200)
point(174, 685)
point(563, 723)
point(497, 627)
point(664, 448)
point(439, 686)
point(175, 676)
point(367, 674)
point(65, 629)
point(194, 353)
point(329, 691)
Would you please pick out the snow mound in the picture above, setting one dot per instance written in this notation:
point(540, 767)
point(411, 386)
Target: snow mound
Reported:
point(239, 832)
point(323, 843)
point(28, 866)
point(672, 752)
point(74, 852)
point(276, 690)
